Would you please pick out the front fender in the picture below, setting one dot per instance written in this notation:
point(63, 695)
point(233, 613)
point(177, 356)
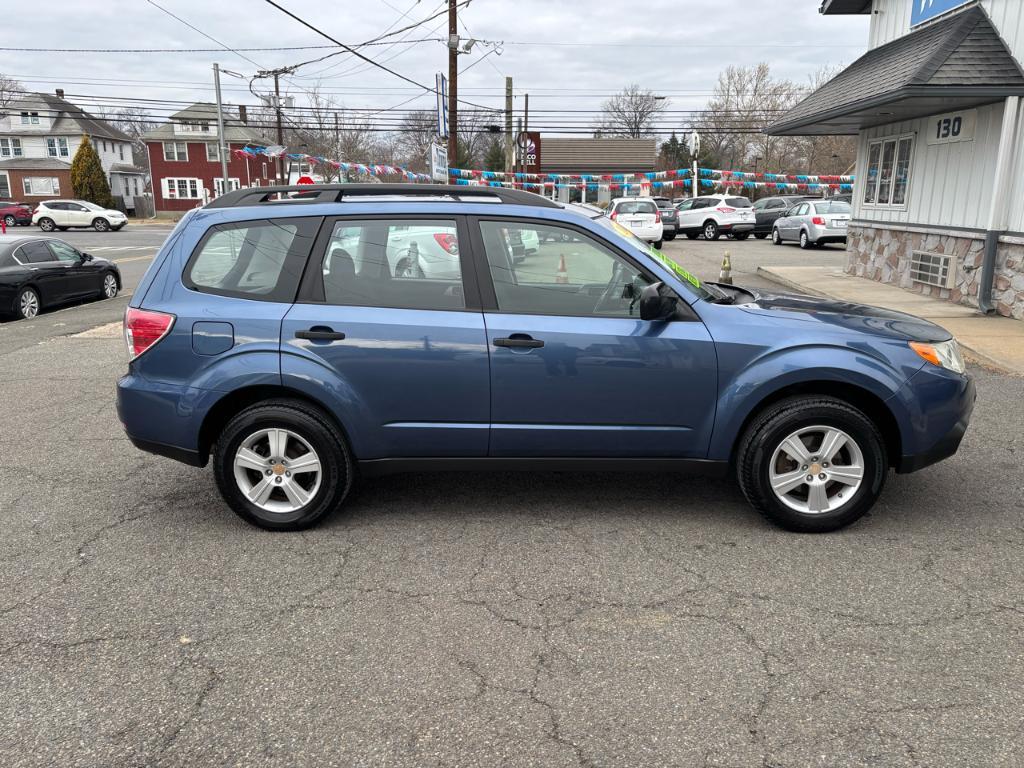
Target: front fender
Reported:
point(765, 377)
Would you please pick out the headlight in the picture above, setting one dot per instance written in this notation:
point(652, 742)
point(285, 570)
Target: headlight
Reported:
point(945, 354)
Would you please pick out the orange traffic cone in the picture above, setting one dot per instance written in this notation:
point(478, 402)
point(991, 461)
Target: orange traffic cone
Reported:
point(562, 275)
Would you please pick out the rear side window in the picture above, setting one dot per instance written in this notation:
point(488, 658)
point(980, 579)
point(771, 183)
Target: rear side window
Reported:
point(738, 202)
point(252, 260)
point(402, 264)
point(637, 206)
point(34, 253)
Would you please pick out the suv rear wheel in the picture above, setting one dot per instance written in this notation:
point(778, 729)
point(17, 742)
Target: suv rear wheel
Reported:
point(282, 465)
point(812, 464)
point(47, 225)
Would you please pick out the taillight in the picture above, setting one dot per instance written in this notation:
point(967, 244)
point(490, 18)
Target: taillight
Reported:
point(143, 328)
point(725, 210)
point(615, 215)
point(657, 217)
point(35, 211)
point(448, 241)
point(819, 221)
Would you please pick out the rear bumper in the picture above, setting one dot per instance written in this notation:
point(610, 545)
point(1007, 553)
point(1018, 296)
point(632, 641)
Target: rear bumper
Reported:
point(163, 418)
point(942, 426)
point(734, 228)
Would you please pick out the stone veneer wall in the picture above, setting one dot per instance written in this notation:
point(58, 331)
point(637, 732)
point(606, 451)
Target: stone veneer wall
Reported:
point(884, 255)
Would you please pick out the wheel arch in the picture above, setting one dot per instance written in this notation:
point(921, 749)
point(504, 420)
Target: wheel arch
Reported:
point(233, 403)
point(861, 398)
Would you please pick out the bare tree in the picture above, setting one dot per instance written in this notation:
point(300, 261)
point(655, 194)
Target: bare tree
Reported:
point(10, 89)
point(833, 155)
point(630, 113)
point(135, 122)
point(414, 137)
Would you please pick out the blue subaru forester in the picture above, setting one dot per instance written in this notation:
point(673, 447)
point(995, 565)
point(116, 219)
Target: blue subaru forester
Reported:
point(304, 337)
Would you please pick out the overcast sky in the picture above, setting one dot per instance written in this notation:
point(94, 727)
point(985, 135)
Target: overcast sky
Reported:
point(566, 54)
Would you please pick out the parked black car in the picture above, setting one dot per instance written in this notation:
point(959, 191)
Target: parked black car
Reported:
point(37, 272)
point(768, 210)
point(669, 217)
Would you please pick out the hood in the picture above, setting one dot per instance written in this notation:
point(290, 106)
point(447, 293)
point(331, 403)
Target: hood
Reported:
point(853, 317)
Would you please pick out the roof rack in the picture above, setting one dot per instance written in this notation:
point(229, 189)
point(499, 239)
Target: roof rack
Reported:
point(337, 193)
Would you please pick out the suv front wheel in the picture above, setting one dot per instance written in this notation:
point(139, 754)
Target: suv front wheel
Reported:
point(812, 464)
point(282, 465)
point(711, 231)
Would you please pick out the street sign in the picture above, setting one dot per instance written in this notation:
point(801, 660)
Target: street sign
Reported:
point(694, 143)
point(442, 105)
point(439, 163)
point(926, 10)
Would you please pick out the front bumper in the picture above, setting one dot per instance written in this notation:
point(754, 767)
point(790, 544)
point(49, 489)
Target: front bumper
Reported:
point(944, 407)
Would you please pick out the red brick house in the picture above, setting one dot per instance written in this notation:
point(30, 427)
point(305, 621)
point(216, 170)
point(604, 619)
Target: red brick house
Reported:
point(185, 164)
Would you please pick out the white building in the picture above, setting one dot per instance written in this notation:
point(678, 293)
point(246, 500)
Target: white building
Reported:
point(939, 197)
point(39, 136)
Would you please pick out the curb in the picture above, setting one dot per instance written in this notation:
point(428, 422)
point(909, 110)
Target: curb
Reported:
point(971, 352)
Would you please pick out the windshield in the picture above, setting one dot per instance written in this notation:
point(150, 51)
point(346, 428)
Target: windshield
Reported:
point(835, 206)
point(690, 281)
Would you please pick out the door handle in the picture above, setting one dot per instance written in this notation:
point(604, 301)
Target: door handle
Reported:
point(519, 340)
point(320, 333)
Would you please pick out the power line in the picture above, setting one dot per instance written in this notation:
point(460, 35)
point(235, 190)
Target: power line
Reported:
point(213, 50)
point(204, 34)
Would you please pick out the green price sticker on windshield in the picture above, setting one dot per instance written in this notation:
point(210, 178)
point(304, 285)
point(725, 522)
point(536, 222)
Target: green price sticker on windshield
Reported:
point(680, 272)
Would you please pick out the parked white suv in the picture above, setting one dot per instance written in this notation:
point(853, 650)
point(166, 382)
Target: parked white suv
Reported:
point(62, 214)
point(640, 215)
point(716, 215)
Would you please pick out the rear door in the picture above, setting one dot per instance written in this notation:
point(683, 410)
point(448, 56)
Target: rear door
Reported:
point(48, 274)
point(401, 353)
point(574, 371)
point(58, 212)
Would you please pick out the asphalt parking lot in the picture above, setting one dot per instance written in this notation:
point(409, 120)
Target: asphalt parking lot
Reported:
point(484, 620)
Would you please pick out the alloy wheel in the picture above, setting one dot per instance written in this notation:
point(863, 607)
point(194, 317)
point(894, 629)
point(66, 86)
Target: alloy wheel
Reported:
point(816, 470)
point(9, 221)
point(101, 225)
point(29, 305)
point(277, 470)
point(110, 286)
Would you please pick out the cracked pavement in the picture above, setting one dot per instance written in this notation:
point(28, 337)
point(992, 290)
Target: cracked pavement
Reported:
point(484, 620)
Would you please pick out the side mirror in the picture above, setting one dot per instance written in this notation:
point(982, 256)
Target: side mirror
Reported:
point(86, 257)
point(656, 305)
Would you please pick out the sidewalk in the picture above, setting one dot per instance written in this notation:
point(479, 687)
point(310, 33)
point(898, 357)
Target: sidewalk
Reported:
point(992, 341)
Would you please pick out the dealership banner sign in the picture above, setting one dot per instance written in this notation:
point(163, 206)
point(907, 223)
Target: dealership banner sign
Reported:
point(926, 10)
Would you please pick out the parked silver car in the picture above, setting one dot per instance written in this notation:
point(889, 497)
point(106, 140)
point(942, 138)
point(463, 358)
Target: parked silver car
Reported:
point(813, 223)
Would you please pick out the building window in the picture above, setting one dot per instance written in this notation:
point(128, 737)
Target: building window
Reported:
point(30, 118)
point(176, 151)
point(213, 153)
point(57, 147)
point(888, 175)
point(10, 147)
point(120, 150)
point(218, 186)
point(194, 126)
point(135, 185)
point(5, 186)
point(181, 189)
point(41, 185)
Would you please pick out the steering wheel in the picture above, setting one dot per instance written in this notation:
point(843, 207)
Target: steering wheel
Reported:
point(612, 294)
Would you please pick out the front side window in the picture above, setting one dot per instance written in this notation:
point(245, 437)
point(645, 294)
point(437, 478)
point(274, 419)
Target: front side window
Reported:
point(175, 151)
point(63, 252)
point(685, 205)
point(10, 148)
point(406, 264)
point(568, 273)
point(255, 260)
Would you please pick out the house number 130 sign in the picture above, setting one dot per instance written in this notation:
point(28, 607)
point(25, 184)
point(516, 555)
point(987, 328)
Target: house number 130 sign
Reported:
point(956, 126)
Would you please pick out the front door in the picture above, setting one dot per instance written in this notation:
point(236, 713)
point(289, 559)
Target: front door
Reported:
point(574, 371)
point(83, 279)
point(387, 324)
point(79, 215)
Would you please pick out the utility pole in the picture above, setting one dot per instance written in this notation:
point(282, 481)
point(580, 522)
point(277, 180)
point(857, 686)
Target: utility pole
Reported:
point(337, 143)
point(521, 165)
point(222, 144)
point(280, 128)
point(526, 130)
point(509, 138)
point(453, 84)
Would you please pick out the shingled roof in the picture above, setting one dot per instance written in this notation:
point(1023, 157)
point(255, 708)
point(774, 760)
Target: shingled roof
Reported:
point(956, 63)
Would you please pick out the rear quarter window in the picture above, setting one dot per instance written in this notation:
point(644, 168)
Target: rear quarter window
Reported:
point(260, 260)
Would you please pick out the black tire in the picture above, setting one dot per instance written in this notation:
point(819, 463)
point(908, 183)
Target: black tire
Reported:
point(10, 221)
point(317, 430)
point(710, 230)
point(100, 224)
point(109, 278)
point(47, 224)
point(742, 236)
point(670, 236)
point(776, 237)
point(63, 229)
point(692, 235)
point(805, 241)
point(23, 309)
point(659, 244)
point(760, 235)
point(780, 420)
